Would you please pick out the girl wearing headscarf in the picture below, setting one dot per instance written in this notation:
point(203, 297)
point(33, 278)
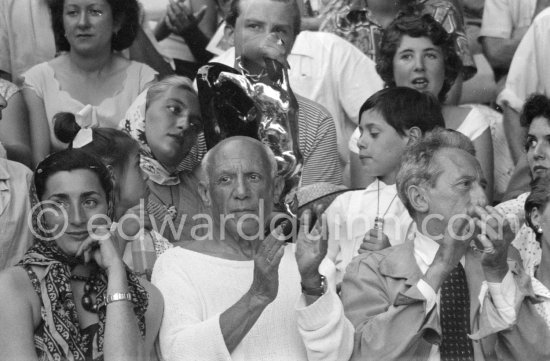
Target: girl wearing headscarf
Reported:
point(166, 121)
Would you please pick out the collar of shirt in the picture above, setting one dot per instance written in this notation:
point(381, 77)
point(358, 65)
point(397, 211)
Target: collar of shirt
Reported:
point(302, 47)
point(425, 249)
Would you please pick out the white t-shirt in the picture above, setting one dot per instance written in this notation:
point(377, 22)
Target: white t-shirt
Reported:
point(503, 18)
point(197, 288)
point(530, 70)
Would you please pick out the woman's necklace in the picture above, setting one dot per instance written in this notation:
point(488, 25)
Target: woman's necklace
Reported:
point(87, 301)
point(170, 209)
point(379, 221)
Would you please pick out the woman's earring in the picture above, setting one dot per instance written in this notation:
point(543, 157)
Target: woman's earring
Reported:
point(538, 230)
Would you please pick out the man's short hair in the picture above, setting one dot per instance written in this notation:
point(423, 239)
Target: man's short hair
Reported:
point(418, 167)
point(234, 12)
point(207, 161)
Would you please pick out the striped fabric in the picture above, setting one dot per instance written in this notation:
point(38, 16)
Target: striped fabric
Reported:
point(317, 142)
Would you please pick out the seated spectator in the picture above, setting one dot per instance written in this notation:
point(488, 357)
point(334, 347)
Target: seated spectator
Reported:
point(504, 24)
point(417, 52)
point(71, 297)
point(15, 205)
point(26, 37)
point(121, 154)
point(451, 285)
point(236, 295)
point(323, 68)
point(535, 117)
point(14, 129)
point(374, 218)
point(183, 29)
point(362, 23)
point(537, 217)
point(90, 33)
point(527, 75)
point(166, 122)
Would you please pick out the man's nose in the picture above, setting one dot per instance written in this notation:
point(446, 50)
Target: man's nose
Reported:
point(478, 197)
point(241, 188)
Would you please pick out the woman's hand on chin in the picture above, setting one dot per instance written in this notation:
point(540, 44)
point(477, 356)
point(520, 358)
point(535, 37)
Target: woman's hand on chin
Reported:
point(100, 247)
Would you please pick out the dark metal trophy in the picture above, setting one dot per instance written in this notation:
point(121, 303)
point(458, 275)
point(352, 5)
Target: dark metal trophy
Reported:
point(234, 103)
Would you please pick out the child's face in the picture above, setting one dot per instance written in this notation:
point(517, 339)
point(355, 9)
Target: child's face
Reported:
point(380, 146)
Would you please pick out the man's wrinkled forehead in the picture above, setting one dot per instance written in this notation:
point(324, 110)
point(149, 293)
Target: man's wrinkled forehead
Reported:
point(225, 162)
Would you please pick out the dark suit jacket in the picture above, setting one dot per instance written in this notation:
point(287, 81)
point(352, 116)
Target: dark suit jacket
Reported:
point(388, 311)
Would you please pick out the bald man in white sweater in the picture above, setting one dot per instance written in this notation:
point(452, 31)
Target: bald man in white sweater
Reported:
point(236, 296)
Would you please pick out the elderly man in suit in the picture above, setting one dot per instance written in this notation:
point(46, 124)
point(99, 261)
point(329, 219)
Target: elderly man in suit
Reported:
point(453, 291)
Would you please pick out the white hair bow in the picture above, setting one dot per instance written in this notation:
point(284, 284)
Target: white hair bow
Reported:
point(86, 118)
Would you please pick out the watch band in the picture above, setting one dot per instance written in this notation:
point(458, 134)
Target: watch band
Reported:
point(118, 296)
point(316, 291)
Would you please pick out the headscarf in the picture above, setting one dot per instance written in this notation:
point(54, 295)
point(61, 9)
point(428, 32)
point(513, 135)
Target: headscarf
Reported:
point(134, 124)
point(61, 338)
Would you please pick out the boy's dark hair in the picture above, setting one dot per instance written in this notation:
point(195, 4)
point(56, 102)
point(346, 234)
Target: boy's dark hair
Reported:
point(404, 108)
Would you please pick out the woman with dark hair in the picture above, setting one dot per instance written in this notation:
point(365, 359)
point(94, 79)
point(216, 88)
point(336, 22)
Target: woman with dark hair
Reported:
point(535, 118)
point(362, 23)
point(121, 154)
point(71, 297)
point(418, 53)
point(90, 71)
point(166, 121)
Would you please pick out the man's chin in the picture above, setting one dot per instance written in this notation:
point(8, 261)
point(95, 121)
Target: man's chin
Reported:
point(247, 229)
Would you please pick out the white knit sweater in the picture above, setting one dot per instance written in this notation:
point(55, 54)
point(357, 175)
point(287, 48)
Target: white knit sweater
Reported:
point(197, 288)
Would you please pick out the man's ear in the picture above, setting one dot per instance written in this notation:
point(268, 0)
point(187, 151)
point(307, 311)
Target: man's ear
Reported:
point(418, 198)
point(204, 193)
point(414, 134)
point(229, 34)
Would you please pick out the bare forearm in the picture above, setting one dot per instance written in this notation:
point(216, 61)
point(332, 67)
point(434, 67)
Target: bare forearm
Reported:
point(237, 320)
point(500, 51)
point(122, 338)
point(515, 134)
